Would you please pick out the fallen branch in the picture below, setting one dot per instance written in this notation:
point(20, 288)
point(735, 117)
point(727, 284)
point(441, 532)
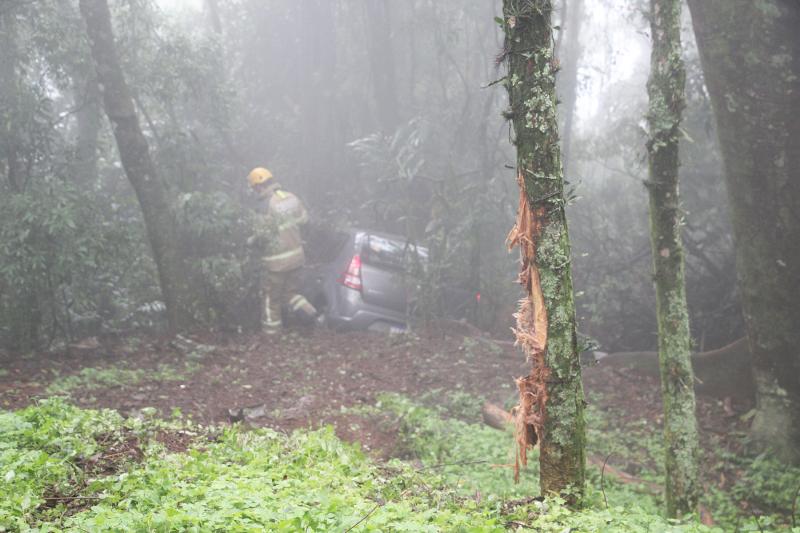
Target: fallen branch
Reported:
point(442, 465)
point(67, 498)
point(758, 522)
point(377, 506)
point(498, 418)
point(624, 477)
point(603, 479)
point(705, 516)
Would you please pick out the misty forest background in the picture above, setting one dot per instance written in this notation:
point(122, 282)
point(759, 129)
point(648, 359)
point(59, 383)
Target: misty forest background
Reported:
point(379, 115)
point(391, 116)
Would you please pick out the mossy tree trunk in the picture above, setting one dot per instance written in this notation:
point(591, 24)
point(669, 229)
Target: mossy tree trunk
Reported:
point(134, 152)
point(666, 90)
point(551, 397)
point(750, 52)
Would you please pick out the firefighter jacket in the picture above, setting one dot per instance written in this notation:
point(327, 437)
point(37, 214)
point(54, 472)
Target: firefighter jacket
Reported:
point(287, 213)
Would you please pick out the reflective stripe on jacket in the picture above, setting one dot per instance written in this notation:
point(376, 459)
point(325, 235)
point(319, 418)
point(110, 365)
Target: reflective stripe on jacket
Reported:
point(289, 214)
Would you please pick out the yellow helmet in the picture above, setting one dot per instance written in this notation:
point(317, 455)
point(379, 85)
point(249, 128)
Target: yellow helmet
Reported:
point(258, 176)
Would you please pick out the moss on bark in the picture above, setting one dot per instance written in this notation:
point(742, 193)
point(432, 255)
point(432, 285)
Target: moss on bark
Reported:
point(666, 91)
point(751, 61)
point(531, 87)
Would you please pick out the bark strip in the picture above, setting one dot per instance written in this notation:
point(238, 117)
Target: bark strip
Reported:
point(531, 330)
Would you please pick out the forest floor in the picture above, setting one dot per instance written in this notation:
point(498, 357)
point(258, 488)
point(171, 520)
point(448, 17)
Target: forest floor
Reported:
point(312, 379)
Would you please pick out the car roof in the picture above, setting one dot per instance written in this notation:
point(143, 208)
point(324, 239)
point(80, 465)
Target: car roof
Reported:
point(393, 236)
point(360, 232)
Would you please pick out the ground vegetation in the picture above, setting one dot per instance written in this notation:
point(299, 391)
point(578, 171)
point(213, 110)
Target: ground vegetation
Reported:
point(178, 416)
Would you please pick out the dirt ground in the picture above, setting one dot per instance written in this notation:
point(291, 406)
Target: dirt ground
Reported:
point(314, 378)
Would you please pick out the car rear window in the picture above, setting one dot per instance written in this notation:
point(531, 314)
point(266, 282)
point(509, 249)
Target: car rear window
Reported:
point(391, 253)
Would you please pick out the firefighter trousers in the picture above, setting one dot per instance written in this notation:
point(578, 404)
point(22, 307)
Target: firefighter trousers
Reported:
point(279, 290)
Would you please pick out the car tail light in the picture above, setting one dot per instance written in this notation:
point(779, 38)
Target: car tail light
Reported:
point(352, 276)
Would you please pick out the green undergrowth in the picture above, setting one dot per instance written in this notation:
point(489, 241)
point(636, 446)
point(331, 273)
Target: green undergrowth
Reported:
point(68, 469)
point(476, 461)
point(91, 378)
point(760, 492)
point(234, 480)
point(444, 432)
point(763, 494)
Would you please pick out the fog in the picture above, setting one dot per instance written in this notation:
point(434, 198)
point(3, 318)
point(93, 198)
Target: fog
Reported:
point(384, 116)
point(285, 224)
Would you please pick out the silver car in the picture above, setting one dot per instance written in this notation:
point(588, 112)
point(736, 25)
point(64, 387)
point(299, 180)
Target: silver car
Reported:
point(363, 279)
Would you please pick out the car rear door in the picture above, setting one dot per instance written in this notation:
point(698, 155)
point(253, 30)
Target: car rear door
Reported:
point(385, 270)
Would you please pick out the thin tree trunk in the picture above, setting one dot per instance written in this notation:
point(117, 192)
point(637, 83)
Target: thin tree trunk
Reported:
point(135, 155)
point(212, 11)
point(321, 136)
point(750, 52)
point(563, 14)
point(551, 397)
point(88, 102)
point(9, 104)
point(381, 62)
point(666, 90)
point(569, 74)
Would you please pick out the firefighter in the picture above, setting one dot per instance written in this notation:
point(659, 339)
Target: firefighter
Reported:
point(279, 280)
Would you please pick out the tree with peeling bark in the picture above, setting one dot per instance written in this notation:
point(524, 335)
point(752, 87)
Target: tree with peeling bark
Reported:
point(666, 90)
point(750, 52)
point(134, 152)
point(551, 397)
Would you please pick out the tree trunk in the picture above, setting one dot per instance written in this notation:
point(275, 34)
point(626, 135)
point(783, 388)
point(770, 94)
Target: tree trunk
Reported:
point(496, 417)
point(321, 136)
point(569, 74)
point(750, 52)
point(551, 397)
point(666, 90)
point(87, 101)
point(381, 63)
point(9, 102)
point(212, 11)
point(134, 152)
